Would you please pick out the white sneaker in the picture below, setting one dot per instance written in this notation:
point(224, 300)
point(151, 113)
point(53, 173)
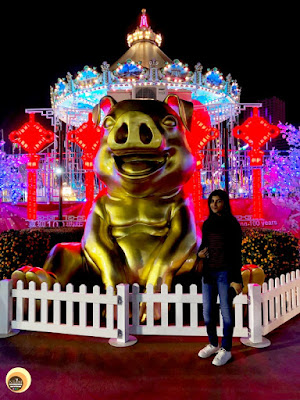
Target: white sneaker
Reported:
point(208, 351)
point(222, 357)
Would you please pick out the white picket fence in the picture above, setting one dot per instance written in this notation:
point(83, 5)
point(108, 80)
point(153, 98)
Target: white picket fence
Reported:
point(30, 322)
point(191, 313)
point(280, 301)
point(115, 315)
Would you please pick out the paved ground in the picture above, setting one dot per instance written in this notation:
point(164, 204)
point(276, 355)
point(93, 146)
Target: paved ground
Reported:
point(73, 367)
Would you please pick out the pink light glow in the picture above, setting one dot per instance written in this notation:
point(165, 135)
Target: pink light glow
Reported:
point(144, 20)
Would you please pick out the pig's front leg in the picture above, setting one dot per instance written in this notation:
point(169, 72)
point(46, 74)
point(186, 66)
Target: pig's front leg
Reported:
point(176, 252)
point(101, 251)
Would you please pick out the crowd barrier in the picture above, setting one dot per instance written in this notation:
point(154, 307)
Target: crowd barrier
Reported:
point(115, 314)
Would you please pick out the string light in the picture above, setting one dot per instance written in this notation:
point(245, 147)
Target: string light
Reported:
point(256, 132)
point(33, 138)
point(12, 182)
point(87, 137)
point(282, 175)
point(200, 134)
point(89, 86)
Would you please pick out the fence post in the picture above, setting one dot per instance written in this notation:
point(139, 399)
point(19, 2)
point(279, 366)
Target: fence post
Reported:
point(6, 309)
point(123, 339)
point(255, 338)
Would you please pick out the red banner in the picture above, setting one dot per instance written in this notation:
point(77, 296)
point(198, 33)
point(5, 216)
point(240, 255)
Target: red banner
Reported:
point(275, 217)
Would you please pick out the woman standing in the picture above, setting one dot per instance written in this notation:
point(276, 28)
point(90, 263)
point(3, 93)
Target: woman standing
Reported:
point(221, 251)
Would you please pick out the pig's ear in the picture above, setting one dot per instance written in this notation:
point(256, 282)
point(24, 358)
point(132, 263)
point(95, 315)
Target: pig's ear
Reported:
point(105, 105)
point(182, 107)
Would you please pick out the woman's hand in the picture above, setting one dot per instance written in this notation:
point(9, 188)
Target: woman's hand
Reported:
point(203, 253)
point(237, 287)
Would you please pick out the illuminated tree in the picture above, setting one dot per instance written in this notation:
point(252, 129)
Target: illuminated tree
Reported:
point(282, 174)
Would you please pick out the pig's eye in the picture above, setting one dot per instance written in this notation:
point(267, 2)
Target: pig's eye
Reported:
point(109, 122)
point(169, 121)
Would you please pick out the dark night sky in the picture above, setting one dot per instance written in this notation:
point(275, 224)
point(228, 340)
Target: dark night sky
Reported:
point(39, 44)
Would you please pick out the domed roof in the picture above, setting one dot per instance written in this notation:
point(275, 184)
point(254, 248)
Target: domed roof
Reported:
point(143, 46)
point(144, 52)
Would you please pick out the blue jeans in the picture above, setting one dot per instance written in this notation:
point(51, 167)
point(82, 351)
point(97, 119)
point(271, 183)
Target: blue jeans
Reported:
point(218, 284)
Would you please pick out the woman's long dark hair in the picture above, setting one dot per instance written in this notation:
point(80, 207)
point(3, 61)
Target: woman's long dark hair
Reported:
point(224, 196)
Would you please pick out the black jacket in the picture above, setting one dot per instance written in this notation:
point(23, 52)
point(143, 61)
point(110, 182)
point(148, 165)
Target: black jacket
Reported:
point(228, 225)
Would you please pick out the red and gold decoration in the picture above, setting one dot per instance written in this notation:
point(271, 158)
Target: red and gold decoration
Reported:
point(256, 132)
point(33, 138)
point(87, 137)
point(200, 134)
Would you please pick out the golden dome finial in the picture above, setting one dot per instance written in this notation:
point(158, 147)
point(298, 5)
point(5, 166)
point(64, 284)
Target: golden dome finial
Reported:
point(144, 32)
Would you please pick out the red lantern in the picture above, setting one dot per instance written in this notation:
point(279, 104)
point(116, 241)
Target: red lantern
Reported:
point(256, 132)
point(201, 130)
point(200, 134)
point(33, 138)
point(87, 137)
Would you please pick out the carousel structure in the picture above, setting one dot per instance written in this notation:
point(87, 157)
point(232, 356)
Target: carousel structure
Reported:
point(144, 71)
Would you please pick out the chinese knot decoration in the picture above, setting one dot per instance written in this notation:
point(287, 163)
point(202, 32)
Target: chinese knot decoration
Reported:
point(87, 137)
point(198, 137)
point(33, 138)
point(256, 132)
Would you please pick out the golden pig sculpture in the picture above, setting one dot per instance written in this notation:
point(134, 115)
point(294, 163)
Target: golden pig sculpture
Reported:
point(142, 230)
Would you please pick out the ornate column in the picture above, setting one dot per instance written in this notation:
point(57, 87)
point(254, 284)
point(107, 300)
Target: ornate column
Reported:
point(198, 74)
point(153, 70)
point(106, 74)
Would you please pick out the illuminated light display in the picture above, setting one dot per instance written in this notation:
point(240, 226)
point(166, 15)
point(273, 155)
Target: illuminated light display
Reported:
point(145, 71)
point(256, 157)
point(74, 98)
point(33, 138)
point(145, 65)
point(282, 176)
point(257, 194)
point(144, 19)
point(129, 70)
point(87, 78)
point(144, 32)
point(201, 130)
point(87, 137)
point(177, 72)
point(200, 134)
point(12, 181)
point(214, 79)
point(256, 132)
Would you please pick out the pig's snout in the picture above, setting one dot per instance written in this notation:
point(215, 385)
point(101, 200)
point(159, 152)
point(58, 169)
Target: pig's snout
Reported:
point(121, 135)
point(133, 131)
